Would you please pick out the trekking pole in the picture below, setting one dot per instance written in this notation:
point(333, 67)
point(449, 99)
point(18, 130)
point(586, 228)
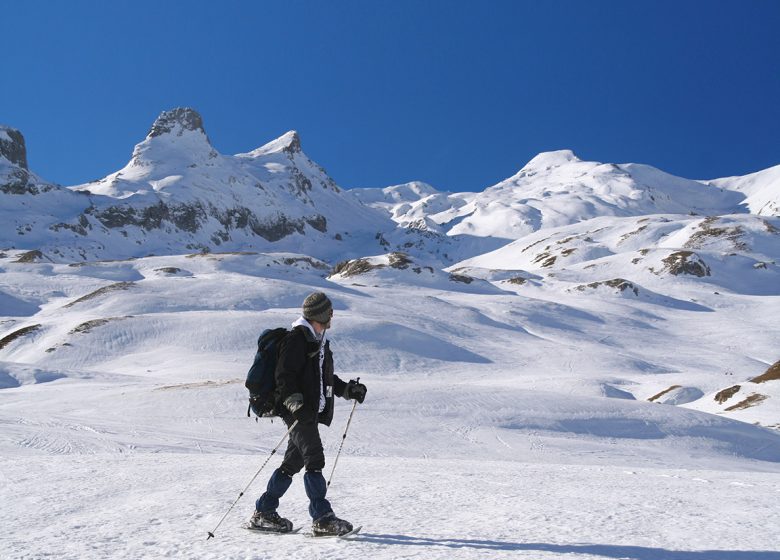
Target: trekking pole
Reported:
point(273, 451)
point(336, 460)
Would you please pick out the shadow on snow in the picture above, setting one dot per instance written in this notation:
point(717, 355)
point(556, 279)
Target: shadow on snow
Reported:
point(605, 550)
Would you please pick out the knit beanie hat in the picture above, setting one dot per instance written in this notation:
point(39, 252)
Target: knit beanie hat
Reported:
point(317, 307)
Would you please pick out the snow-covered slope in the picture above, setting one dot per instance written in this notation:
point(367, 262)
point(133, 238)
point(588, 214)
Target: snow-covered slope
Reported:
point(762, 190)
point(552, 190)
point(739, 253)
point(123, 407)
point(415, 204)
point(33, 212)
point(659, 263)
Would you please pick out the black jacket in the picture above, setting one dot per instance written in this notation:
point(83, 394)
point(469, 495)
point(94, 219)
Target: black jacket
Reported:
point(298, 371)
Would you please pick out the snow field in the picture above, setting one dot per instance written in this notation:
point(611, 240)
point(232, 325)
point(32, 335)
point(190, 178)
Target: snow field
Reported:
point(409, 508)
point(510, 424)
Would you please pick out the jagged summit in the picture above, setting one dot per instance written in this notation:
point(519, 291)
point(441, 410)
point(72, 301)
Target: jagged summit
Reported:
point(12, 146)
point(289, 143)
point(176, 121)
point(178, 194)
point(176, 137)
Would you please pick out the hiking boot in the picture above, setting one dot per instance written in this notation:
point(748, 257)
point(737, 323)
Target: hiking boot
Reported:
point(270, 521)
point(330, 525)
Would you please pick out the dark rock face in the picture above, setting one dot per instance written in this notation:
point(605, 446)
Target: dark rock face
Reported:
point(619, 284)
point(461, 278)
point(18, 182)
point(186, 118)
point(13, 150)
point(30, 257)
point(16, 334)
point(686, 262)
point(192, 217)
point(81, 227)
point(318, 222)
point(294, 146)
point(301, 182)
point(186, 217)
point(276, 229)
point(772, 374)
point(354, 267)
point(16, 178)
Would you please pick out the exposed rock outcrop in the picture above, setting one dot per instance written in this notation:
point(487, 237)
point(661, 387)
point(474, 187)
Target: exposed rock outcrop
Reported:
point(176, 121)
point(12, 146)
point(15, 177)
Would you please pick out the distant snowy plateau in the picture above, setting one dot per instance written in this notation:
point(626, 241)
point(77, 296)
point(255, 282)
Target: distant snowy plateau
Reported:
point(582, 361)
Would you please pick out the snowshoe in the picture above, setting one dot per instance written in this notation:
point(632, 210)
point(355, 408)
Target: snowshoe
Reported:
point(270, 521)
point(330, 526)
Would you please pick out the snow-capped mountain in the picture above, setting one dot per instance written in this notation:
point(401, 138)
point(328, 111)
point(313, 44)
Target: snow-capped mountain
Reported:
point(555, 189)
point(178, 194)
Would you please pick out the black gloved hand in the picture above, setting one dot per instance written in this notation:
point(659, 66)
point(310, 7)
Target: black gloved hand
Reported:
point(294, 402)
point(356, 391)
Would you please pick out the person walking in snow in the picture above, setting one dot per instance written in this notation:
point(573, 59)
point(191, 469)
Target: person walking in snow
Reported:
point(305, 386)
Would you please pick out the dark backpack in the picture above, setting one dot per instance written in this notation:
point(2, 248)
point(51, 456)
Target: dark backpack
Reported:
point(260, 380)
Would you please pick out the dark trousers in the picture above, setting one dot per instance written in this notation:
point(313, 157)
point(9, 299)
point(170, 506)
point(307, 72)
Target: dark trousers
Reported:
point(304, 449)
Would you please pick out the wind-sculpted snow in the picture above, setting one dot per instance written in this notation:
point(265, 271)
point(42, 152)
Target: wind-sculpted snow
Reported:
point(404, 347)
point(14, 307)
point(15, 375)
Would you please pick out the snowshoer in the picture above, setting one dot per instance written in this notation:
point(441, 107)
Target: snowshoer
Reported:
point(305, 386)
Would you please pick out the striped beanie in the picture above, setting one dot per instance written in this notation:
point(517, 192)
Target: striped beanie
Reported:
point(317, 307)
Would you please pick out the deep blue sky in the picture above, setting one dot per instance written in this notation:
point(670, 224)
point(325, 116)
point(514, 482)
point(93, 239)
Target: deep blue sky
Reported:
point(458, 94)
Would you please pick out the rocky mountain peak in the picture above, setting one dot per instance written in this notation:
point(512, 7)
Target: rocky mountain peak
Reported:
point(175, 136)
point(289, 143)
point(12, 146)
point(176, 121)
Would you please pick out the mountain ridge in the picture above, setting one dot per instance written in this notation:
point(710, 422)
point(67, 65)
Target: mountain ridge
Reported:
point(178, 194)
